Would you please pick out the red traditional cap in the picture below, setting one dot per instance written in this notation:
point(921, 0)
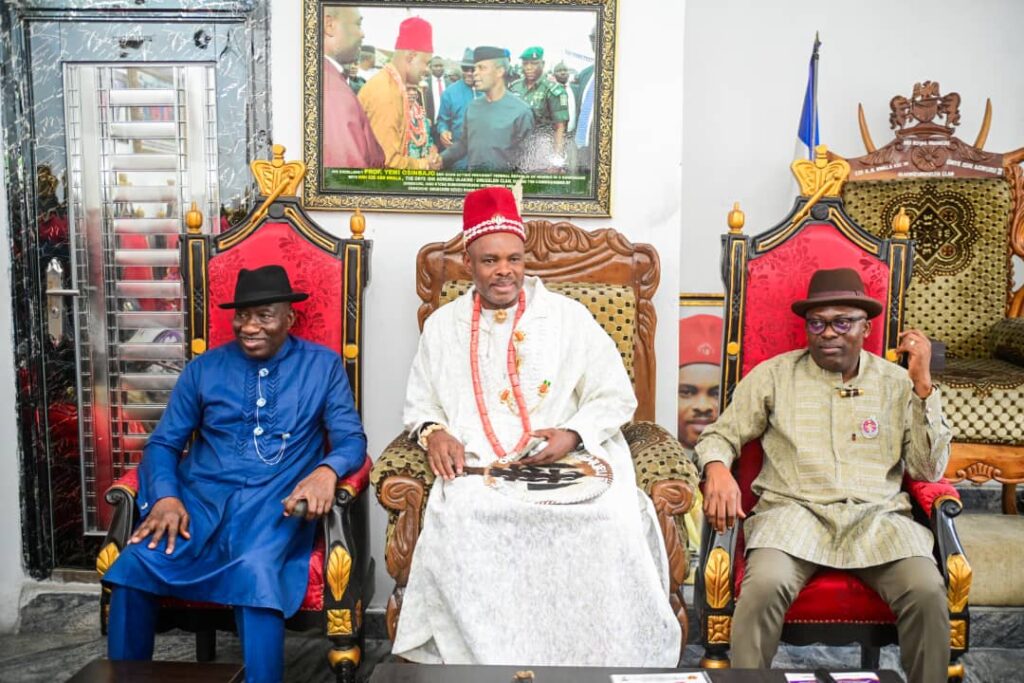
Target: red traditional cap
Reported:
point(700, 340)
point(489, 210)
point(416, 35)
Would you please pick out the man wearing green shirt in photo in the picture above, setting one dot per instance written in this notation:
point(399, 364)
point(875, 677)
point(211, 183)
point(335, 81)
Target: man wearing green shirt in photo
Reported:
point(839, 427)
point(497, 125)
point(550, 105)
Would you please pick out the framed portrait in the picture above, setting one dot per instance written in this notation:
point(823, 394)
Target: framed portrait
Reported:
point(410, 104)
point(700, 359)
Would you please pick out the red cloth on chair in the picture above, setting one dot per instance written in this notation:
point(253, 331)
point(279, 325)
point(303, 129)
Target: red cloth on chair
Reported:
point(781, 276)
point(310, 270)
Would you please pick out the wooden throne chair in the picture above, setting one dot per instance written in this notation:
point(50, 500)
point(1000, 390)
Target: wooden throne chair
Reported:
point(616, 281)
point(966, 209)
point(334, 272)
point(763, 274)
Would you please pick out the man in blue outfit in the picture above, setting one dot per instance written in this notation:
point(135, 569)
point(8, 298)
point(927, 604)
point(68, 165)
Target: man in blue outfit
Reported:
point(218, 524)
point(497, 125)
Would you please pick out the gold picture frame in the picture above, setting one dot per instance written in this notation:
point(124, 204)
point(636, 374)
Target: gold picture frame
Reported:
point(579, 182)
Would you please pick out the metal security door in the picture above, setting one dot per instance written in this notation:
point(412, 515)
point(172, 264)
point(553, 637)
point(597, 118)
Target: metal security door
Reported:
point(141, 148)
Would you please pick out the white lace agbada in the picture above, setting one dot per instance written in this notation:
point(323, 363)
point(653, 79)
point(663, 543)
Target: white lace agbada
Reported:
point(498, 581)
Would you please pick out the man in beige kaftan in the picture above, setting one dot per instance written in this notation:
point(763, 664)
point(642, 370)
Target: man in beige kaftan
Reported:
point(839, 427)
point(494, 579)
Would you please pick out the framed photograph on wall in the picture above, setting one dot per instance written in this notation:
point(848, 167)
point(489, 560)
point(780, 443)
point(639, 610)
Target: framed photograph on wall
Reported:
point(700, 359)
point(409, 104)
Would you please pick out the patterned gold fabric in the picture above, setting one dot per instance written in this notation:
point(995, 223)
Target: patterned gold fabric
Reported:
point(962, 273)
point(1006, 340)
point(613, 307)
point(403, 456)
point(984, 400)
point(657, 456)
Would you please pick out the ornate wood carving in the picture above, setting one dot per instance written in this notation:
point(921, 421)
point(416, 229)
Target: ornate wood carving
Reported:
point(960, 575)
point(106, 558)
point(958, 634)
point(718, 579)
point(925, 144)
point(672, 497)
point(394, 609)
point(339, 622)
point(562, 252)
point(1015, 176)
point(719, 628)
point(979, 463)
point(405, 496)
point(337, 657)
point(339, 567)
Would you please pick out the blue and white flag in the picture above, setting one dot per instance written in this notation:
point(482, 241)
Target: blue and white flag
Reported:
point(808, 135)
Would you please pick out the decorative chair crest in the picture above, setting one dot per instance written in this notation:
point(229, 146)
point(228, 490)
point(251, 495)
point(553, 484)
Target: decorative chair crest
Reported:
point(923, 146)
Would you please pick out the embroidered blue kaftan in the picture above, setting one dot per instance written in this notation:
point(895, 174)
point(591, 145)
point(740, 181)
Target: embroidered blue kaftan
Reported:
point(243, 550)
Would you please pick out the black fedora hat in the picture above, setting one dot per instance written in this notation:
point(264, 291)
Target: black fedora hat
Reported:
point(266, 285)
point(837, 287)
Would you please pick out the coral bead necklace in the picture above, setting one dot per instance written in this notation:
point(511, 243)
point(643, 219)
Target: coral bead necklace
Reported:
point(513, 376)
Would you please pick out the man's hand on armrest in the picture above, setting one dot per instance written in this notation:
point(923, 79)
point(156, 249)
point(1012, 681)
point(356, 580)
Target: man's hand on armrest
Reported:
point(168, 517)
point(316, 490)
point(722, 502)
point(446, 454)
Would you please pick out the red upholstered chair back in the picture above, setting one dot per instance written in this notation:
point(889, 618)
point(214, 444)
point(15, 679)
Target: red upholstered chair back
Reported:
point(767, 272)
point(310, 269)
point(777, 278)
point(332, 271)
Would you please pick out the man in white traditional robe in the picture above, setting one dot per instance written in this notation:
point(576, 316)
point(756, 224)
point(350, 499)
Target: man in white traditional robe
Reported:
point(494, 579)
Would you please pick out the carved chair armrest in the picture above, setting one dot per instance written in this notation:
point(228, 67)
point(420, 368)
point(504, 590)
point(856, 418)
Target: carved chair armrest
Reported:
point(354, 483)
point(348, 566)
point(659, 457)
point(121, 496)
point(956, 570)
point(713, 587)
point(402, 478)
point(665, 473)
point(925, 494)
point(404, 457)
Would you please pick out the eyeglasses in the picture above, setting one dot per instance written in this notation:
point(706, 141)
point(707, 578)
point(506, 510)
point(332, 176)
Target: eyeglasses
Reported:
point(840, 325)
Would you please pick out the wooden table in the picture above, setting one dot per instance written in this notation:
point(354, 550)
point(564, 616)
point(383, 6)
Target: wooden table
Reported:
point(106, 671)
point(393, 672)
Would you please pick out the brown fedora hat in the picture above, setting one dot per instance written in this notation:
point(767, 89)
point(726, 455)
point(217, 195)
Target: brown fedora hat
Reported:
point(838, 287)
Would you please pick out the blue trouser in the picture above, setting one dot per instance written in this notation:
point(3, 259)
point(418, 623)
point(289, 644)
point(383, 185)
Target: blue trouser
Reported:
point(132, 627)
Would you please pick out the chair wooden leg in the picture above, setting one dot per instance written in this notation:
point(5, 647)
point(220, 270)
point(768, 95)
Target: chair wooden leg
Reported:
point(1009, 499)
point(715, 657)
point(869, 657)
point(206, 646)
point(344, 662)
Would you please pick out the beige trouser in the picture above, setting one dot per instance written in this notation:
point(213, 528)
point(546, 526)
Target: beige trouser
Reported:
point(912, 586)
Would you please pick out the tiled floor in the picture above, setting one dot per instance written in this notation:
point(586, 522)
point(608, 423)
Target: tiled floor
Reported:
point(59, 634)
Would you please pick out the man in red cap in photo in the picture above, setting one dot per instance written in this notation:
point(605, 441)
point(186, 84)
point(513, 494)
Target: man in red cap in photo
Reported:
point(386, 102)
point(348, 140)
point(700, 356)
point(511, 375)
point(839, 427)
